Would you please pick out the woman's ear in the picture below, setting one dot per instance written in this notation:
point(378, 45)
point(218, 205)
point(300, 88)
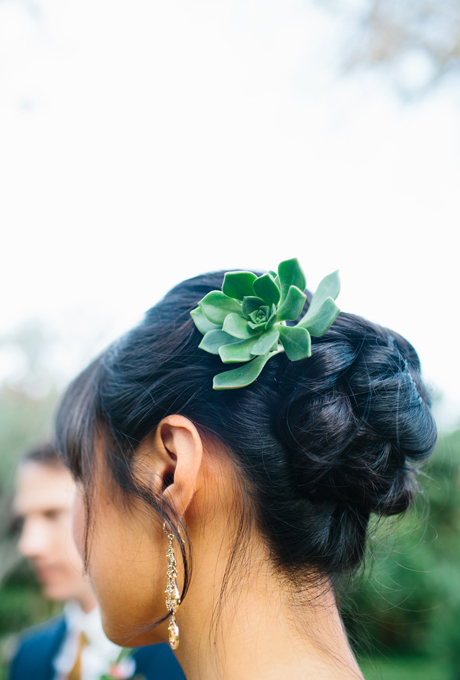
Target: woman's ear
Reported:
point(174, 454)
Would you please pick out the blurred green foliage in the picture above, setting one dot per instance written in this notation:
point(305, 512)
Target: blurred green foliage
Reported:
point(406, 668)
point(406, 600)
point(24, 422)
point(21, 601)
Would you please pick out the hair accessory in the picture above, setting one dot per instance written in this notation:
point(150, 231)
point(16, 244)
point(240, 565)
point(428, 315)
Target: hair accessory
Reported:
point(246, 321)
point(172, 592)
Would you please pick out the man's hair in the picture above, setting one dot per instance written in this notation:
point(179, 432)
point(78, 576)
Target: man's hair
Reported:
point(45, 454)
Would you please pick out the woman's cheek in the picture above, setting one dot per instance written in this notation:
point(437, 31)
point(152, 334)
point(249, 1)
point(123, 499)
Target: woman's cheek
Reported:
point(79, 520)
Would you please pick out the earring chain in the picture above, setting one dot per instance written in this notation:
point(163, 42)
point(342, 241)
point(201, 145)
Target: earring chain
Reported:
point(172, 592)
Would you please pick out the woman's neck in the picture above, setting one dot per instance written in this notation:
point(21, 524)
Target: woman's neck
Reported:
point(259, 631)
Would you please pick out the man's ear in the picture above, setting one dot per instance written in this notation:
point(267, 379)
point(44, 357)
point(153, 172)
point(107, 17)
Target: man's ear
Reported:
point(174, 451)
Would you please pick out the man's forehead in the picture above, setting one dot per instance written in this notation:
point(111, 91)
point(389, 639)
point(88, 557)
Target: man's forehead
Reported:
point(43, 487)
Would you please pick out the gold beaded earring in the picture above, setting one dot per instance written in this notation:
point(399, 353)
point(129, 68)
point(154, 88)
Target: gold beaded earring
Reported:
point(172, 592)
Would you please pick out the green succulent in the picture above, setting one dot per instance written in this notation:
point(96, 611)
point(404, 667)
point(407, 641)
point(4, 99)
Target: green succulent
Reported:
point(245, 322)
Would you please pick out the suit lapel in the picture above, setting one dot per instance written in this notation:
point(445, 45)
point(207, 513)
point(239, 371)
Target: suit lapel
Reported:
point(50, 645)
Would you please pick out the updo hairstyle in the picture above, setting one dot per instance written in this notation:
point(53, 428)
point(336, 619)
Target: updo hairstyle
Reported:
point(319, 444)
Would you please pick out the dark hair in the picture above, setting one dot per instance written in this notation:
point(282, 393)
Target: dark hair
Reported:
point(319, 443)
point(44, 454)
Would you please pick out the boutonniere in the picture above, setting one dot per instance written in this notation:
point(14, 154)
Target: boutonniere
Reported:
point(124, 668)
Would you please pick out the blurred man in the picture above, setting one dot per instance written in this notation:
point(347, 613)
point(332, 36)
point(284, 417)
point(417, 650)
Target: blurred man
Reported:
point(72, 646)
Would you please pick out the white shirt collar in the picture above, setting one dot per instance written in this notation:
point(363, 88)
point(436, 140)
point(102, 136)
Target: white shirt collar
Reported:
point(90, 624)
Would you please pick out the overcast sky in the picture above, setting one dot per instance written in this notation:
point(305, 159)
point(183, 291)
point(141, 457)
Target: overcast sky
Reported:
point(143, 142)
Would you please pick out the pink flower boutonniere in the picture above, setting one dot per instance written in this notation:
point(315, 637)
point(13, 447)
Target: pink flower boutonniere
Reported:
point(124, 668)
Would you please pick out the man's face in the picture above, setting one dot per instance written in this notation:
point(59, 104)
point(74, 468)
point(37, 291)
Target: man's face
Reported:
point(43, 501)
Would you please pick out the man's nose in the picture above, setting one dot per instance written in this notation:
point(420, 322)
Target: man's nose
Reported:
point(34, 540)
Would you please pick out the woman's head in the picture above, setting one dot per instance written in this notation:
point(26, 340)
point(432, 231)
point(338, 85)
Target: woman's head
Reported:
point(310, 449)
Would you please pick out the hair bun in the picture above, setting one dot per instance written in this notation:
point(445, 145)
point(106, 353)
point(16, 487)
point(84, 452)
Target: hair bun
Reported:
point(355, 417)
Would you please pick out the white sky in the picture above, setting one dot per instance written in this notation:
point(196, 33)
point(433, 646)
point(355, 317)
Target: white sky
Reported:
point(142, 142)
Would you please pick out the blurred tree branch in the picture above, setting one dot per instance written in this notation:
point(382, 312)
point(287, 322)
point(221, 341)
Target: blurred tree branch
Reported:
point(417, 40)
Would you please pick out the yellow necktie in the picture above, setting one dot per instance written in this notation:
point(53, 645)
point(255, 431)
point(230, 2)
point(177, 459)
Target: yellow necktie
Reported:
point(75, 673)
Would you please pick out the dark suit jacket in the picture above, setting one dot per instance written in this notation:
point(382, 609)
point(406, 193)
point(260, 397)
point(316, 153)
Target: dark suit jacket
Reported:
point(39, 646)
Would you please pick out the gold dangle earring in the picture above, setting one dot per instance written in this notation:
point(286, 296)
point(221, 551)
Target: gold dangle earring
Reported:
point(172, 592)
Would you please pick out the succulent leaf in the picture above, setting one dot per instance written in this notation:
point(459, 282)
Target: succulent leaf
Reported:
point(296, 342)
point(241, 376)
point(201, 322)
point(252, 304)
point(266, 342)
point(327, 287)
point(318, 323)
point(238, 284)
point(272, 318)
point(292, 305)
point(257, 326)
point(266, 288)
point(237, 352)
point(214, 339)
point(216, 305)
point(290, 274)
point(260, 315)
point(237, 326)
